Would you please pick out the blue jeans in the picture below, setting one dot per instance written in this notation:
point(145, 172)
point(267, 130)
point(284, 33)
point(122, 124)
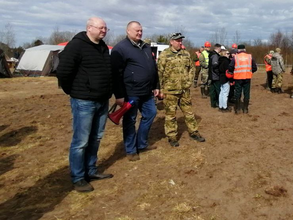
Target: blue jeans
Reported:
point(89, 120)
point(223, 97)
point(134, 141)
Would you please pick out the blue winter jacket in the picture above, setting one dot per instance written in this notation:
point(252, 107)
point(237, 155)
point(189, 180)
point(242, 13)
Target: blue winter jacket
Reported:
point(134, 69)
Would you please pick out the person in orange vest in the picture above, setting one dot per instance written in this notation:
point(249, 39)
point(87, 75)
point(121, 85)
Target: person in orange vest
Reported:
point(197, 65)
point(242, 66)
point(267, 61)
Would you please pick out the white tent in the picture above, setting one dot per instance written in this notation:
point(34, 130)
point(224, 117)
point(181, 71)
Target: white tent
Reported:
point(40, 60)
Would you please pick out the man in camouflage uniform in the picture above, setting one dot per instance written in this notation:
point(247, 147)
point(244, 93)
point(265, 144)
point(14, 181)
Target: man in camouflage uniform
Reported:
point(278, 68)
point(176, 71)
point(204, 72)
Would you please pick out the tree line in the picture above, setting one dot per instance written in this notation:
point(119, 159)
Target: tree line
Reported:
point(258, 48)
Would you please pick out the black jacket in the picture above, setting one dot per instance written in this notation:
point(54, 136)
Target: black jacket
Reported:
point(223, 66)
point(214, 66)
point(134, 69)
point(84, 70)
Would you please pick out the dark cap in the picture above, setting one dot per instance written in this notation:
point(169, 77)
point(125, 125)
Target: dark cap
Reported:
point(241, 46)
point(176, 36)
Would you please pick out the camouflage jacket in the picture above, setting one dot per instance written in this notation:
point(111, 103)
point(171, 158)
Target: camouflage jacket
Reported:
point(277, 63)
point(176, 71)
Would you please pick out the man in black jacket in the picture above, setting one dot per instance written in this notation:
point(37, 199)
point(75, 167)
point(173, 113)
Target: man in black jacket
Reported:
point(214, 76)
point(135, 78)
point(84, 73)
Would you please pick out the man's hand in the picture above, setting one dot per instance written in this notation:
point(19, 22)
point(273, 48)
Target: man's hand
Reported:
point(120, 102)
point(156, 92)
point(209, 82)
point(161, 96)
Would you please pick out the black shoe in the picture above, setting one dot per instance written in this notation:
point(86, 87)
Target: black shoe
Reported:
point(224, 110)
point(83, 186)
point(173, 142)
point(99, 176)
point(196, 136)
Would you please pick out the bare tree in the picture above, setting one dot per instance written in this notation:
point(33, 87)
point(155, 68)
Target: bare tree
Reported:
point(113, 40)
point(220, 36)
point(60, 36)
point(7, 37)
point(276, 39)
point(236, 38)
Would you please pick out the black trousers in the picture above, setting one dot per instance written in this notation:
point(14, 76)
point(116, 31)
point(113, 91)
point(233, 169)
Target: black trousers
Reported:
point(215, 88)
point(242, 85)
point(269, 79)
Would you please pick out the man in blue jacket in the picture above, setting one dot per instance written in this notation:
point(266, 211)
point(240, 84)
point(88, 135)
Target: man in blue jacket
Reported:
point(84, 73)
point(135, 78)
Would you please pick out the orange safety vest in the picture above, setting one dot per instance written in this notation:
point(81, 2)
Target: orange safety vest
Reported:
point(268, 66)
point(197, 62)
point(243, 69)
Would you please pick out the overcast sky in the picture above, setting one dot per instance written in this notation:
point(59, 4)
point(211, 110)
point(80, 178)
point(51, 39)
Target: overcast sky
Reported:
point(197, 19)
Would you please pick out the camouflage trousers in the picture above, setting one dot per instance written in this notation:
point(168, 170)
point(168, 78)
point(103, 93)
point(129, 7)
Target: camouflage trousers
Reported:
point(204, 74)
point(277, 81)
point(183, 100)
point(197, 71)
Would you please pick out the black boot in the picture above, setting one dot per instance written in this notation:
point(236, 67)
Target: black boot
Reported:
point(245, 107)
point(207, 91)
point(237, 106)
point(203, 95)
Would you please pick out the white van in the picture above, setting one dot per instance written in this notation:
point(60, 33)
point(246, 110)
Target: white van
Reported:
point(158, 48)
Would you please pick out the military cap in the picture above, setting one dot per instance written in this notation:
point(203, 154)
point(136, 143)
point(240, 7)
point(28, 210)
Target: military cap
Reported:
point(176, 36)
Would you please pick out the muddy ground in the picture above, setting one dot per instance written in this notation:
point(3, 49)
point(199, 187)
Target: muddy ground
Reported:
point(244, 170)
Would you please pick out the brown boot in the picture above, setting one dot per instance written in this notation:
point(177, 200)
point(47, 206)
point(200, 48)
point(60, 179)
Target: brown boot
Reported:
point(133, 157)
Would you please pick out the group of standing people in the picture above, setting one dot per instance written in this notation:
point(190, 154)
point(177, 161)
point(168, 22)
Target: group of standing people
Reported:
point(275, 68)
point(89, 75)
point(225, 76)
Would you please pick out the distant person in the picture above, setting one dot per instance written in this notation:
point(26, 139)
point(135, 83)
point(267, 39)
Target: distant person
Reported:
point(224, 80)
point(197, 65)
point(231, 96)
point(267, 61)
point(135, 78)
point(278, 68)
point(214, 75)
point(242, 66)
point(176, 71)
point(291, 72)
point(234, 46)
point(204, 71)
point(84, 73)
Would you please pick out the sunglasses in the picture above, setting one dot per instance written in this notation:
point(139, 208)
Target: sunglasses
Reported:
point(176, 34)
